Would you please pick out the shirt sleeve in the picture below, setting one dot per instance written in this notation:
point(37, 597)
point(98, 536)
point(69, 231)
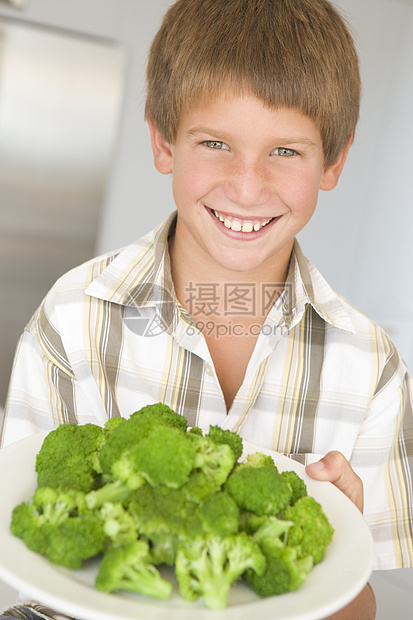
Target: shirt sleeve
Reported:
point(44, 391)
point(383, 458)
point(28, 407)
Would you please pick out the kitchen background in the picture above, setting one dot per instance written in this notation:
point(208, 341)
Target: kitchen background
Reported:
point(77, 179)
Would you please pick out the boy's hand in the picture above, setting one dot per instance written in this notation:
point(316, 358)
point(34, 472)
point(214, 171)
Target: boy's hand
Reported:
point(335, 468)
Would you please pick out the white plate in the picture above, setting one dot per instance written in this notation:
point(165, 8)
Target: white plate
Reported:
point(330, 586)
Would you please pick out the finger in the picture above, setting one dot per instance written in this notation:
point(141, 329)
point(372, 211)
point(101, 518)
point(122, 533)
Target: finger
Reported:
point(335, 468)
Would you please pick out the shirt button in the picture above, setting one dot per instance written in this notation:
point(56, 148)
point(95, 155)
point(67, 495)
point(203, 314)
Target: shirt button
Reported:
point(209, 370)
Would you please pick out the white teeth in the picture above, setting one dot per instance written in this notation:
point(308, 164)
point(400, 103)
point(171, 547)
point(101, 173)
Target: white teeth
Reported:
point(237, 226)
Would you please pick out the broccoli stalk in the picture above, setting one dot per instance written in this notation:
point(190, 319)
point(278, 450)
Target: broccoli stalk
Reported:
point(109, 493)
point(129, 568)
point(207, 567)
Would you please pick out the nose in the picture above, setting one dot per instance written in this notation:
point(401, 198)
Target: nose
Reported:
point(247, 183)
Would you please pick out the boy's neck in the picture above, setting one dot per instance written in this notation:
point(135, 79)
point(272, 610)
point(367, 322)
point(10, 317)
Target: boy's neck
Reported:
point(187, 273)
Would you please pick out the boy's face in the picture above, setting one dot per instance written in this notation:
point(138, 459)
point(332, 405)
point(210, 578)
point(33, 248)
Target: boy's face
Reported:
point(245, 180)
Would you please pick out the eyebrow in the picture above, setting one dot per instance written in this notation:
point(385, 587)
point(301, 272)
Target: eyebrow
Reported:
point(284, 140)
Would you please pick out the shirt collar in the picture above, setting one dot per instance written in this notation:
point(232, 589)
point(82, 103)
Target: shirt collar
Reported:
point(140, 276)
point(305, 285)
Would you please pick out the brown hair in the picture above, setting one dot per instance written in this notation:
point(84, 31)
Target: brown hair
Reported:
point(293, 53)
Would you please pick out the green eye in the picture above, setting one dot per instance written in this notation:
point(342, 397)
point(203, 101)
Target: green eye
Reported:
point(216, 144)
point(284, 152)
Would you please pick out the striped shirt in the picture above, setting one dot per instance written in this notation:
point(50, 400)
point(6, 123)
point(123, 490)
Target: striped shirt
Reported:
point(110, 337)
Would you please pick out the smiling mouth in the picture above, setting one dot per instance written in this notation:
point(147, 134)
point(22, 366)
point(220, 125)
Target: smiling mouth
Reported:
point(238, 225)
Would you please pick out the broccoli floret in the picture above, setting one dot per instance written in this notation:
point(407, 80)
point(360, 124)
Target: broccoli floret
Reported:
point(217, 434)
point(219, 515)
point(165, 457)
point(199, 485)
point(163, 515)
point(207, 567)
point(261, 527)
point(55, 505)
point(258, 489)
point(65, 541)
point(163, 509)
point(215, 460)
point(118, 525)
point(284, 571)
point(111, 424)
point(297, 484)
point(312, 531)
point(129, 568)
point(259, 459)
point(26, 524)
point(68, 457)
point(162, 414)
point(195, 430)
point(74, 540)
point(145, 448)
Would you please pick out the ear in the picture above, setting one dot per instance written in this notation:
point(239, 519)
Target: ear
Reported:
point(162, 151)
point(332, 174)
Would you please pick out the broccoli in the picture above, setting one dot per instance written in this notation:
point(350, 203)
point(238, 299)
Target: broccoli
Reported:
point(129, 568)
point(55, 505)
point(74, 540)
point(199, 485)
point(111, 424)
point(259, 459)
point(206, 567)
point(145, 449)
point(165, 457)
point(163, 515)
point(297, 484)
point(27, 524)
point(284, 570)
point(258, 489)
point(161, 414)
point(147, 490)
point(217, 434)
point(215, 460)
point(66, 540)
point(68, 457)
point(312, 531)
point(118, 524)
point(219, 515)
point(263, 526)
point(151, 446)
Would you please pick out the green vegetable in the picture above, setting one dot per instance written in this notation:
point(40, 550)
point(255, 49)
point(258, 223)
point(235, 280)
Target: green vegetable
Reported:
point(207, 567)
point(259, 489)
point(147, 491)
point(312, 532)
point(284, 571)
point(68, 457)
point(129, 568)
point(66, 540)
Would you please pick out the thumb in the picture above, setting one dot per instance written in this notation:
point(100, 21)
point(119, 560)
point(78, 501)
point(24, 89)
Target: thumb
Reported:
point(335, 468)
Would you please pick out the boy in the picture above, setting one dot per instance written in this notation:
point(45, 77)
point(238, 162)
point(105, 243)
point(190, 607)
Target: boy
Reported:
point(252, 107)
